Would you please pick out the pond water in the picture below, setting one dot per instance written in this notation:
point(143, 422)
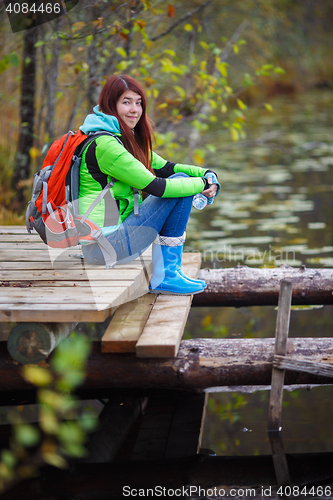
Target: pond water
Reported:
point(275, 208)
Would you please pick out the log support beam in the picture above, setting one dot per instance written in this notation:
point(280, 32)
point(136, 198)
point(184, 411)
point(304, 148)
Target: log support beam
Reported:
point(245, 286)
point(199, 365)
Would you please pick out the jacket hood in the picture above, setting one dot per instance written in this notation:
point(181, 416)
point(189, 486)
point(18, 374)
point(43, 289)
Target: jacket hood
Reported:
point(100, 121)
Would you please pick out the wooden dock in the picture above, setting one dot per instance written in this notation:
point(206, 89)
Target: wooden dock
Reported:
point(43, 285)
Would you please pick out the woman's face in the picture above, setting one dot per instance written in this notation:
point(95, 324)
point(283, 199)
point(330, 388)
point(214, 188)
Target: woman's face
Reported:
point(129, 108)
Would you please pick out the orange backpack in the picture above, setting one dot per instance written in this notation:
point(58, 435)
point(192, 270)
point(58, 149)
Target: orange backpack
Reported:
point(53, 208)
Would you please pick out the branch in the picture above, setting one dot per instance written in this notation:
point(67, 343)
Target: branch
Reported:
point(233, 39)
point(181, 20)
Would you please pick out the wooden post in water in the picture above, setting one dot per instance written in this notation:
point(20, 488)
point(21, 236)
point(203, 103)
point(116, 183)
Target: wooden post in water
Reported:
point(30, 343)
point(281, 337)
point(276, 396)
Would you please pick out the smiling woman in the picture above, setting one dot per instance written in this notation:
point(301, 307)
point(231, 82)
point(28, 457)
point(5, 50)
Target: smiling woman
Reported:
point(129, 108)
point(117, 167)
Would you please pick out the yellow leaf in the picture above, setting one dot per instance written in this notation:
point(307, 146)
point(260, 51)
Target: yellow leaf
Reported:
point(188, 27)
point(78, 26)
point(269, 107)
point(236, 49)
point(206, 321)
point(199, 160)
point(37, 375)
point(34, 152)
point(68, 58)
point(224, 108)
point(203, 65)
point(55, 460)
point(241, 104)
point(163, 105)
point(122, 52)
point(234, 134)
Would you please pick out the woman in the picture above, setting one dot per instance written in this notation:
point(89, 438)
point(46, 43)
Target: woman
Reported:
point(126, 157)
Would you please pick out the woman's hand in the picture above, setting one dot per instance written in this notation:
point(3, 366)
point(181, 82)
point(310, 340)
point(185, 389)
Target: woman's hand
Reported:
point(212, 190)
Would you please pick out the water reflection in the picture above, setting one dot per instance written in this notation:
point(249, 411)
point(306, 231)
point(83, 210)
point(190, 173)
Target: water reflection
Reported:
point(275, 208)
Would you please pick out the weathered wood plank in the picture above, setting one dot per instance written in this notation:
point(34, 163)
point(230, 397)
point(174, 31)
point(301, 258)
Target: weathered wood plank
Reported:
point(79, 312)
point(284, 363)
point(165, 326)
point(60, 294)
point(281, 337)
point(279, 459)
point(127, 324)
point(100, 275)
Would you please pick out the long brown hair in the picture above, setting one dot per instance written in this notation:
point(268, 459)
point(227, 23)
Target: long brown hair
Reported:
point(138, 144)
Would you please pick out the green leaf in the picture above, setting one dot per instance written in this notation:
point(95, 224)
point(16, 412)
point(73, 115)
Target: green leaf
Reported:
point(4, 63)
point(14, 59)
point(122, 52)
point(26, 434)
point(8, 458)
point(279, 70)
point(40, 43)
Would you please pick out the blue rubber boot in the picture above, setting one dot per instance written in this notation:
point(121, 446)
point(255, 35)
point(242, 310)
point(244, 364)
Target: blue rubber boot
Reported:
point(180, 271)
point(166, 278)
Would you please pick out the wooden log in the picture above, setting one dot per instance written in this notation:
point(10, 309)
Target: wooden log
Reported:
point(280, 347)
point(199, 364)
point(245, 286)
point(105, 481)
point(30, 343)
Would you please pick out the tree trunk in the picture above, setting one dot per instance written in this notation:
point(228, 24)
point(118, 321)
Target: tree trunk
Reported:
point(245, 286)
point(27, 113)
point(51, 83)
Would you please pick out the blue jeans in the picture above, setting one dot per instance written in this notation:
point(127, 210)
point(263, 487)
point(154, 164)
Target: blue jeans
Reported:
point(165, 216)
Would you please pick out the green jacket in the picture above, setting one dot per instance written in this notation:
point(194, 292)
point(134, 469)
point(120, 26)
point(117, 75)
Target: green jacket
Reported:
point(106, 158)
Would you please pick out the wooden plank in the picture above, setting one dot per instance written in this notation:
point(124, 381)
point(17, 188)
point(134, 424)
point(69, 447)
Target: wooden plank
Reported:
point(79, 312)
point(49, 295)
point(187, 426)
point(171, 427)
point(281, 336)
point(165, 326)
point(279, 459)
point(70, 264)
point(299, 365)
point(14, 230)
point(76, 275)
point(127, 324)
